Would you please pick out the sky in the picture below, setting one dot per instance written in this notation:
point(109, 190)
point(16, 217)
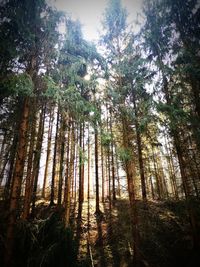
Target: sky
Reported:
point(89, 12)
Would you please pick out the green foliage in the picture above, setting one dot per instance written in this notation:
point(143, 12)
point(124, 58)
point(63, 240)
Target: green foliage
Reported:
point(106, 139)
point(52, 89)
point(114, 21)
point(17, 85)
point(124, 154)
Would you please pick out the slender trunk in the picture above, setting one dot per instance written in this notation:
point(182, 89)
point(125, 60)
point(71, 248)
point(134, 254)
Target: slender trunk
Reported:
point(37, 156)
point(28, 186)
point(76, 173)
point(130, 173)
point(50, 128)
point(62, 137)
point(150, 178)
point(12, 158)
point(54, 162)
point(118, 178)
point(67, 164)
point(171, 171)
point(81, 164)
point(139, 146)
point(97, 170)
point(74, 166)
point(70, 177)
point(109, 180)
point(17, 182)
point(156, 174)
point(2, 157)
point(112, 160)
point(88, 193)
point(102, 174)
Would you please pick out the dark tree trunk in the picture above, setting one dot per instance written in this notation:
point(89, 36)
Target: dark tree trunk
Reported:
point(62, 140)
point(37, 156)
point(17, 182)
point(52, 195)
point(29, 186)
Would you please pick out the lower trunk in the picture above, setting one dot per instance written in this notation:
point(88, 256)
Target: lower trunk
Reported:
point(81, 164)
point(70, 177)
point(28, 186)
point(12, 157)
point(102, 173)
point(130, 173)
point(97, 171)
point(17, 182)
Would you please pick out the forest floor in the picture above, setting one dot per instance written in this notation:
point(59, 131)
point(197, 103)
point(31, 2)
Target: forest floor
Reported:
point(164, 227)
point(106, 240)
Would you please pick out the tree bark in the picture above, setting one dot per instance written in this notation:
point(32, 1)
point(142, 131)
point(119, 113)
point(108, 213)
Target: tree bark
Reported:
point(17, 181)
point(37, 156)
point(54, 162)
point(62, 140)
point(29, 186)
point(70, 177)
point(97, 211)
point(139, 146)
point(50, 128)
point(130, 173)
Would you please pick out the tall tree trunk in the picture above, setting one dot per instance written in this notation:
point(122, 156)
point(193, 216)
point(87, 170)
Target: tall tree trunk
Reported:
point(118, 178)
point(37, 156)
point(29, 186)
point(70, 177)
point(102, 174)
point(17, 181)
point(97, 211)
point(112, 160)
point(130, 173)
point(50, 129)
point(81, 164)
point(67, 164)
point(52, 195)
point(139, 146)
point(62, 140)
point(88, 189)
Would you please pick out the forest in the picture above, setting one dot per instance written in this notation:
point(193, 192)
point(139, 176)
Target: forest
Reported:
point(100, 142)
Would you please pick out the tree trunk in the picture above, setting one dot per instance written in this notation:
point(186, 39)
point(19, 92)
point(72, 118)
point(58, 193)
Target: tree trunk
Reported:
point(17, 182)
point(67, 164)
point(37, 156)
point(88, 193)
point(130, 173)
point(54, 162)
point(97, 211)
point(139, 146)
point(70, 177)
point(29, 186)
point(81, 164)
point(50, 128)
point(112, 160)
point(103, 174)
point(62, 140)
point(11, 158)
